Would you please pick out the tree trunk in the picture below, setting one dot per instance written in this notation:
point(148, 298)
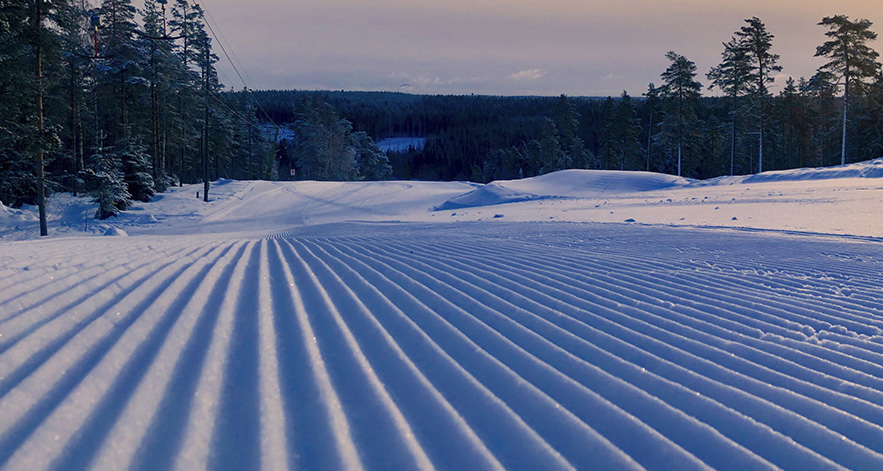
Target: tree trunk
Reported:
point(41, 177)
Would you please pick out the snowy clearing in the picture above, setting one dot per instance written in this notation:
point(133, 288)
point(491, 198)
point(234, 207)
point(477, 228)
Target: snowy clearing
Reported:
point(324, 326)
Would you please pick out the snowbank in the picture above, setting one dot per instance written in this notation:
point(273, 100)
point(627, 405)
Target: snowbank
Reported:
point(869, 169)
point(588, 183)
point(487, 195)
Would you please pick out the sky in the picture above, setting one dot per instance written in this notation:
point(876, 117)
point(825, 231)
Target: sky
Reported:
point(504, 47)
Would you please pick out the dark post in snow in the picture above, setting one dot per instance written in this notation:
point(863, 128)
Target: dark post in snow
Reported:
point(41, 182)
point(205, 181)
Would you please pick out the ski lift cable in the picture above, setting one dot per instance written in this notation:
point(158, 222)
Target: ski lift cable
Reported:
point(207, 15)
point(224, 39)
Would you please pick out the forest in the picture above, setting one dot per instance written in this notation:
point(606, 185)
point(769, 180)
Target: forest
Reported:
point(119, 104)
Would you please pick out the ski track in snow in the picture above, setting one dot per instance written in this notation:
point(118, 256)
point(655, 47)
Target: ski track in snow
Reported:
point(461, 346)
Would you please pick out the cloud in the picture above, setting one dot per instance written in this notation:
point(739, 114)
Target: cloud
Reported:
point(412, 82)
point(528, 75)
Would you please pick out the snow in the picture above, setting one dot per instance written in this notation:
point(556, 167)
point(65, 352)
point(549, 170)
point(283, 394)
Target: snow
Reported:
point(401, 144)
point(417, 325)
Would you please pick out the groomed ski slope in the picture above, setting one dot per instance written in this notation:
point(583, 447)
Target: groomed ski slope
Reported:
point(220, 337)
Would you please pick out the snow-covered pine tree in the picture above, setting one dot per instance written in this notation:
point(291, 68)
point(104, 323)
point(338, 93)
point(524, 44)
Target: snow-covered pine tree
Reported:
point(183, 25)
point(137, 172)
point(106, 183)
point(120, 60)
point(17, 85)
point(322, 143)
point(371, 163)
point(160, 66)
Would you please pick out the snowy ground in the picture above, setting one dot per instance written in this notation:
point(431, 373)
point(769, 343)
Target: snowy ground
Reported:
point(401, 144)
point(579, 320)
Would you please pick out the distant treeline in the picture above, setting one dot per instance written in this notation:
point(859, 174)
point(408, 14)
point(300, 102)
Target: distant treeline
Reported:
point(464, 133)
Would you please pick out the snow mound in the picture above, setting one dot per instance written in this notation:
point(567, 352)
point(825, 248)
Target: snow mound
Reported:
point(563, 184)
point(487, 195)
point(868, 169)
point(588, 183)
point(115, 231)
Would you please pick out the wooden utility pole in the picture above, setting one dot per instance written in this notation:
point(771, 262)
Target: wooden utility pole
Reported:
point(206, 183)
point(41, 177)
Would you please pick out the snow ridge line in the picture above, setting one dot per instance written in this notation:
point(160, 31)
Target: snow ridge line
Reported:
point(31, 291)
point(704, 317)
point(733, 419)
point(441, 262)
point(746, 315)
point(856, 430)
point(399, 366)
point(521, 443)
point(670, 455)
point(86, 363)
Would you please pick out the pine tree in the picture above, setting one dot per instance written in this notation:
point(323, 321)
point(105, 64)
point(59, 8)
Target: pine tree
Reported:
point(567, 121)
point(371, 163)
point(851, 58)
point(185, 25)
point(210, 85)
point(821, 91)
point(159, 64)
point(550, 153)
point(651, 109)
point(137, 172)
point(757, 42)
point(790, 117)
point(606, 131)
point(626, 134)
point(322, 144)
point(733, 77)
point(121, 59)
point(680, 91)
point(872, 124)
point(106, 183)
point(76, 49)
point(17, 87)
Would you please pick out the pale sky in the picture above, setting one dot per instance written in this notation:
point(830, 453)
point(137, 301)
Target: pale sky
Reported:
point(511, 47)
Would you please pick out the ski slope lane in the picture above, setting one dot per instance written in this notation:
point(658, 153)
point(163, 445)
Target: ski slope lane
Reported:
point(492, 346)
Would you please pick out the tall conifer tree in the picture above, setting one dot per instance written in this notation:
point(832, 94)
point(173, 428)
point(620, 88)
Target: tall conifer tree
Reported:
point(757, 44)
point(680, 90)
point(733, 77)
point(850, 58)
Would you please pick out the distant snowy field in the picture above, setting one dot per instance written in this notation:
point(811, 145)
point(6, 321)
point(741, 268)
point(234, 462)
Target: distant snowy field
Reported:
point(578, 320)
point(401, 144)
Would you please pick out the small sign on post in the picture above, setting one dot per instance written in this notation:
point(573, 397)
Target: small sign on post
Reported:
point(292, 172)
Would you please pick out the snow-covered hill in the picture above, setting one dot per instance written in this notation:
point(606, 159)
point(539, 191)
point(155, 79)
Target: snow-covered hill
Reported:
point(356, 326)
point(839, 200)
